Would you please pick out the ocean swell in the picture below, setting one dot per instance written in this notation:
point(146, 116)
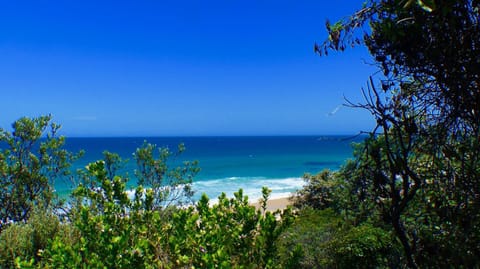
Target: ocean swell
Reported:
point(251, 186)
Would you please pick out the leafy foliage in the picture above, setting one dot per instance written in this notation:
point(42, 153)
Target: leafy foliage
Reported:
point(420, 164)
point(308, 236)
point(110, 227)
point(25, 241)
point(117, 232)
point(363, 246)
point(230, 233)
point(32, 157)
point(318, 191)
point(170, 186)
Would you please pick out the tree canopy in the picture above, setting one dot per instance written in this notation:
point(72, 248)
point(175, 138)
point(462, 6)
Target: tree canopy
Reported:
point(32, 157)
point(421, 163)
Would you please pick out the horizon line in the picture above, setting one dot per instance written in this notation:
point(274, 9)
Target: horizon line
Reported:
point(208, 136)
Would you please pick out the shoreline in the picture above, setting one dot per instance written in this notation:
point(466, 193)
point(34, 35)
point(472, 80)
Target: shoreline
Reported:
point(274, 204)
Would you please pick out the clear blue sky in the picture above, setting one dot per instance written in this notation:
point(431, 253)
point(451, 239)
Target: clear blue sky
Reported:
point(148, 68)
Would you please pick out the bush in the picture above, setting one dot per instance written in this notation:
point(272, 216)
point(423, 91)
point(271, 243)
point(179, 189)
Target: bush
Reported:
point(322, 239)
point(16, 241)
point(305, 239)
point(25, 241)
point(32, 157)
point(364, 246)
point(118, 232)
point(318, 192)
point(229, 234)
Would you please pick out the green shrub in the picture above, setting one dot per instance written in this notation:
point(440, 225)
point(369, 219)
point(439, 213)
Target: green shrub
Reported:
point(118, 232)
point(229, 234)
point(318, 192)
point(32, 157)
point(26, 240)
point(322, 239)
point(16, 241)
point(304, 240)
point(364, 246)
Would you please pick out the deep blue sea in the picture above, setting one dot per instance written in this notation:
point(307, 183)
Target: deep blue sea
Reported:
point(230, 163)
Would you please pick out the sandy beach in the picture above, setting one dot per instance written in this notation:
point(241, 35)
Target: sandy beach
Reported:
point(274, 204)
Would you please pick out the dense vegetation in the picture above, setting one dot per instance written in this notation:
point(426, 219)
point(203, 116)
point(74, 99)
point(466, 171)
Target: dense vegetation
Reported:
point(101, 226)
point(410, 197)
point(418, 172)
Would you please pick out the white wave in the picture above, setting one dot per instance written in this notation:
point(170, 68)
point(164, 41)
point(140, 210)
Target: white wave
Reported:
point(251, 186)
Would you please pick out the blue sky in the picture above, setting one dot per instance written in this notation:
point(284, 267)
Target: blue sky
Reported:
point(163, 68)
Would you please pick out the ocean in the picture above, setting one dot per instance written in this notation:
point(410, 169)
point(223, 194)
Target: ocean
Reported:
point(230, 163)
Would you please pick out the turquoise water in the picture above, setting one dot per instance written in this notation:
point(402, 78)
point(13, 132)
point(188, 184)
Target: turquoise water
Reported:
point(230, 163)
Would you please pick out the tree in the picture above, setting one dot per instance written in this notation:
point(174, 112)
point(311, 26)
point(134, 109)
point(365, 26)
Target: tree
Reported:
point(117, 231)
point(106, 224)
point(318, 192)
point(422, 159)
point(32, 157)
point(170, 185)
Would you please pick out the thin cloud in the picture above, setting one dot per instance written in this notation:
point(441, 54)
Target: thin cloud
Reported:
point(334, 111)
